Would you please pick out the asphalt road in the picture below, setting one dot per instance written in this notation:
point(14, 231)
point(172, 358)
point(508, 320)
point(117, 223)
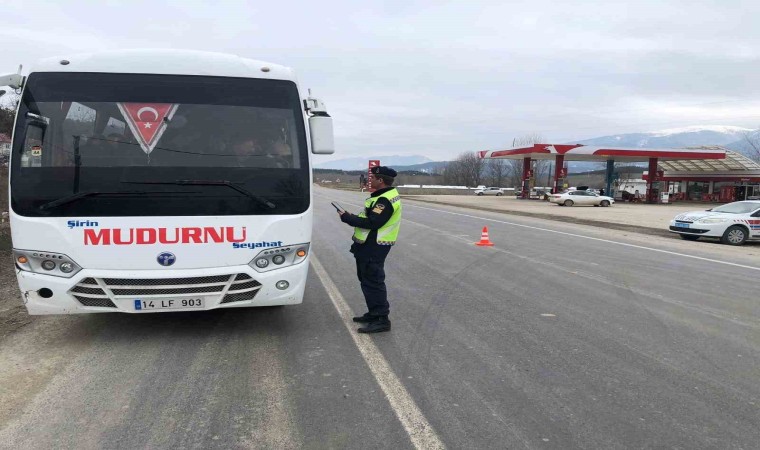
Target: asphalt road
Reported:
point(560, 336)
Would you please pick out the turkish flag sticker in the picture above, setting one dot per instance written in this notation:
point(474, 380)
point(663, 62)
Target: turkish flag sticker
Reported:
point(147, 121)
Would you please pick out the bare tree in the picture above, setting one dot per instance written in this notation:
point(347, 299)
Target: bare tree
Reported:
point(514, 172)
point(472, 166)
point(452, 173)
point(528, 139)
point(8, 105)
point(752, 144)
point(541, 167)
point(498, 171)
point(465, 170)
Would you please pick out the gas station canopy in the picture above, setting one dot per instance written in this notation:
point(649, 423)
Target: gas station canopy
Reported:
point(734, 161)
point(561, 153)
point(579, 152)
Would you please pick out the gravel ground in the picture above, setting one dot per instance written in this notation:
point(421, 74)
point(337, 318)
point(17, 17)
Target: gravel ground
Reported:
point(12, 312)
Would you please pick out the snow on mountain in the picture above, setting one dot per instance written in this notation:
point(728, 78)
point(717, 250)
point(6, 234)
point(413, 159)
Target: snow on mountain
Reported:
point(675, 137)
point(727, 129)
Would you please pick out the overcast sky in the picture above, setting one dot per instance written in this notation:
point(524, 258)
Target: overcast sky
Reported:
point(439, 78)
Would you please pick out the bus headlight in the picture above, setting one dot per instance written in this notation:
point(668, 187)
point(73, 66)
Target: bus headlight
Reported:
point(55, 264)
point(279, 257)
point(262, 263)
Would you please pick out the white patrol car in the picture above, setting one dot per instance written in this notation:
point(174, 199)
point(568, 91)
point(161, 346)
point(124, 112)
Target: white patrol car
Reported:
point(734, 223)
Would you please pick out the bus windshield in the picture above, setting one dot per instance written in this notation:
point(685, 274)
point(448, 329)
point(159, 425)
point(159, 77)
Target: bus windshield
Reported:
point(94, 144)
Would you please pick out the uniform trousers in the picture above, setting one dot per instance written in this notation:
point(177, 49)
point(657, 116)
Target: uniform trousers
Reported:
point(371, 273)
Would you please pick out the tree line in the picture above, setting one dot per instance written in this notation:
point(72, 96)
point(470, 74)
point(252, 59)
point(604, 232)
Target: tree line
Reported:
point(752, 144)
point(470, 170)
point(6, 120)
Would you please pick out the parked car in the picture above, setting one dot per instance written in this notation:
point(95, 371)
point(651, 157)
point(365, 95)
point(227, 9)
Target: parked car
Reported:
point(541, 194)
point(733, 223)
point(489, 191)
point(581, 198)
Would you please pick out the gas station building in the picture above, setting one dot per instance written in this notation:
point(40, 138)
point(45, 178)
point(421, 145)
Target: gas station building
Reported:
point(704, 173)
point(731, 179)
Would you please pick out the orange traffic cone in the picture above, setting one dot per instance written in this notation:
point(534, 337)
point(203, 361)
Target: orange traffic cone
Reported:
point(484, 241)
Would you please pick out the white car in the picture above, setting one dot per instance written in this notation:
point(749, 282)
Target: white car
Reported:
point(581, 198)
point(734, 223)
point(489, 191)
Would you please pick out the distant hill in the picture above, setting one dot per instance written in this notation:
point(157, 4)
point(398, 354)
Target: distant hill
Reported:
point(674, 138)
point(429, 167)
point(361, 163)
point(742, 146)
point(728, 136)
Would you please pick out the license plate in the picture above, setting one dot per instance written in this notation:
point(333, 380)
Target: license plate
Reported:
point(181, 303)
point(682, 225)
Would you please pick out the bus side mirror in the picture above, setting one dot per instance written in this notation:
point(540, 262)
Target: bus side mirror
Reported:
point(321, 133)
point(14, 80)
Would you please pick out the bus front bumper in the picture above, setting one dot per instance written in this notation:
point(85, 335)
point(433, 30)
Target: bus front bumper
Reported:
point(97, 291)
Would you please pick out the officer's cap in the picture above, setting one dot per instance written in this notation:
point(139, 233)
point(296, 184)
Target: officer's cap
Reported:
point(382, 170)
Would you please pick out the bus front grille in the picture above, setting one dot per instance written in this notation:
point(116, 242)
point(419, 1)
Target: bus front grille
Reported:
point(147, 282)
point(98, 302)
point(89, 293)
point(161, 291)
point(101, 292)
point(243, 288)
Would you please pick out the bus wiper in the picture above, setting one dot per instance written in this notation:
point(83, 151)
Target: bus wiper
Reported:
point(80, 195)
point(229, 184)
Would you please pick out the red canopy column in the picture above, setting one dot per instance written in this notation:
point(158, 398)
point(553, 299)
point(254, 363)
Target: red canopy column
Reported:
point(526, 176)
point(559, 165)
point(651, 179)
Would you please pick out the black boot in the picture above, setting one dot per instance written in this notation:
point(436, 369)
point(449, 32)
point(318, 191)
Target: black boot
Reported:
point(366, 318)
point(379, 325)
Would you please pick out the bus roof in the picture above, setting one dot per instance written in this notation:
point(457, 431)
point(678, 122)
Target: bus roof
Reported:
point(166, 62)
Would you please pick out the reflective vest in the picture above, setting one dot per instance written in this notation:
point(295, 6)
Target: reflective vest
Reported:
point(388, 233)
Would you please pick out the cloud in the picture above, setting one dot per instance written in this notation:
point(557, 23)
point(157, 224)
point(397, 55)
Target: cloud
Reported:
point(439, 78)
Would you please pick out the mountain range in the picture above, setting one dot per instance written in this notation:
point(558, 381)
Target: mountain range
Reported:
point(361, 163)
point(726, 136)
point(730, 137)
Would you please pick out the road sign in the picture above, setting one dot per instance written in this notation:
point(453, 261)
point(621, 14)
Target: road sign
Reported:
point(372, 163)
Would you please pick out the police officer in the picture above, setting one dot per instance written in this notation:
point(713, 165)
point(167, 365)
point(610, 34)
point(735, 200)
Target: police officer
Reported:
point(375, 232)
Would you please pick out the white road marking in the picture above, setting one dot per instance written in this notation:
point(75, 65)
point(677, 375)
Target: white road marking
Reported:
point(548, 315)
point(624, 244)
point(420, 432)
